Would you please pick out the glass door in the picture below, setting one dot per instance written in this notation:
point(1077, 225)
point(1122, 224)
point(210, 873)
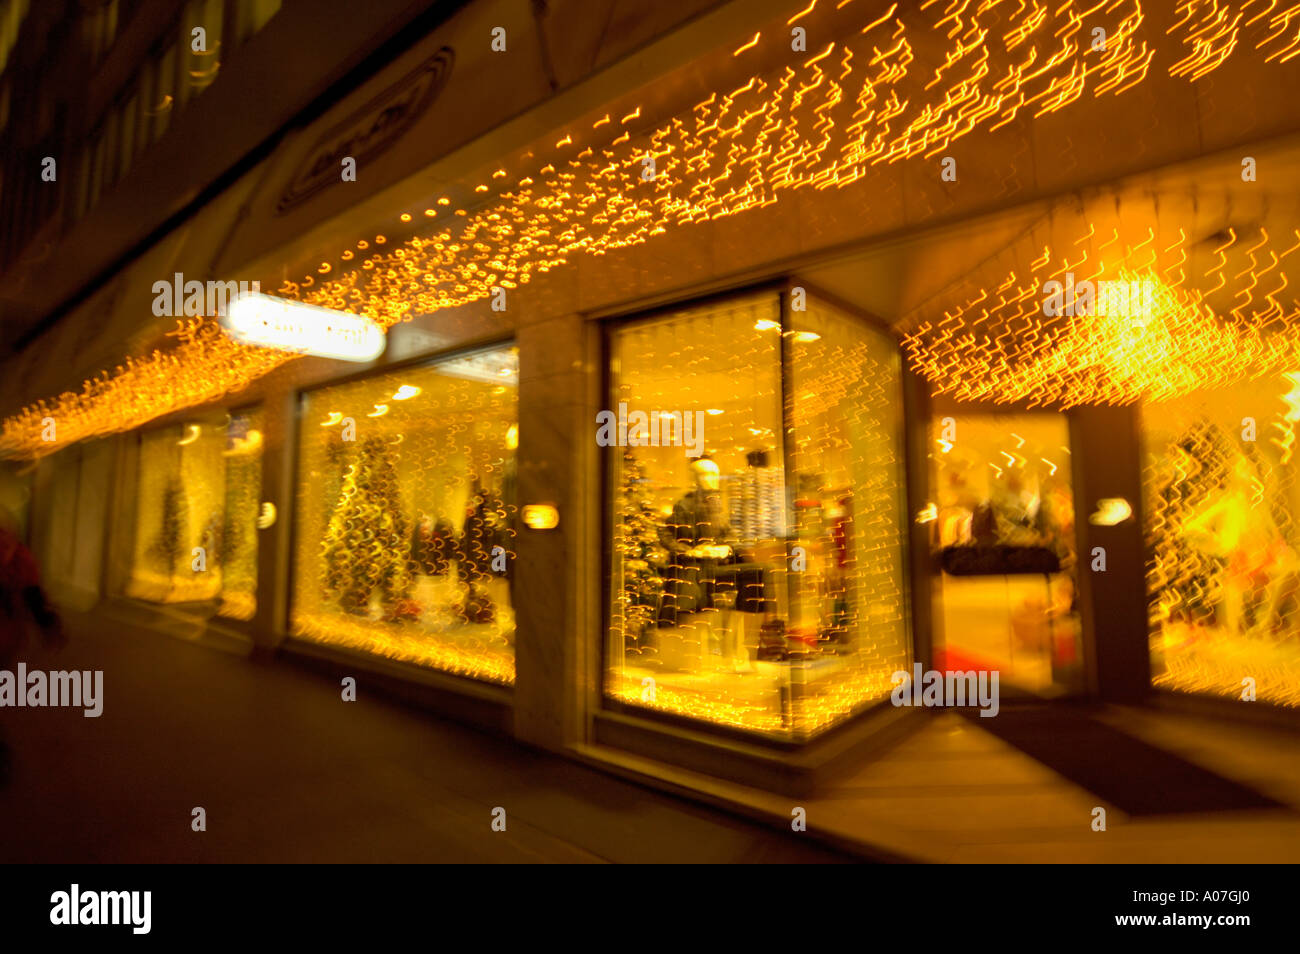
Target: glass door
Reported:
point(1001, 531)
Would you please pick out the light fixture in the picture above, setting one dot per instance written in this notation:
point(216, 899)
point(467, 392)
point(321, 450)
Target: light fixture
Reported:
point(766, 324)
point(266, 519)
point(244, 446)
point(406, 392)
point(541, 516)
point(715, 411)
point(1111, 511)
point(300, 328)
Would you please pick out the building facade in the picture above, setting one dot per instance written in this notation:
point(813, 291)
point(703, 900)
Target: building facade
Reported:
point(739, 357)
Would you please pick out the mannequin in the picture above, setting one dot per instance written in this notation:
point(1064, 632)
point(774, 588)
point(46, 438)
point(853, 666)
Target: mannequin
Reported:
point(697, 527)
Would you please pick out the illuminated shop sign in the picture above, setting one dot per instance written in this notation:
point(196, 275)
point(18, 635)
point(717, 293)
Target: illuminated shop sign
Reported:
point(283, 325)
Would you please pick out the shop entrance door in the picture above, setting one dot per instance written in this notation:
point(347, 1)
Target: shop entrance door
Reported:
point(1002, 536)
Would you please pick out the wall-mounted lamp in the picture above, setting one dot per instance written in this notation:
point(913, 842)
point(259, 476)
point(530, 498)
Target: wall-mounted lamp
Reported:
point(541, 516)
point(1110, 511)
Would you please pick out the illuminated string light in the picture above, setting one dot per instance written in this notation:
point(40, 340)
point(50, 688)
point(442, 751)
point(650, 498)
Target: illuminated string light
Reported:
point(1158, 336)
point(822, 123)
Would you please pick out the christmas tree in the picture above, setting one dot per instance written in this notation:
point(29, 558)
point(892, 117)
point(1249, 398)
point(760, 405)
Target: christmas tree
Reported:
point(637, 542)
point(168, 547)
point(367, 540)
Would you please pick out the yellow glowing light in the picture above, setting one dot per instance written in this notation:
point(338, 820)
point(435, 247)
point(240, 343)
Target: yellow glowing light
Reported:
point(888, 89)
point(715, 411)
point(766, 324)
point(191, 435)
point(379, 411)
point(541, 516)
point(242, 447)
point(928, 514)
point(300, 328)
point(406, 392)
point(266, 519)
point(334, 418)
point(748, 46)
point(1156, 341)
point(1111, 511)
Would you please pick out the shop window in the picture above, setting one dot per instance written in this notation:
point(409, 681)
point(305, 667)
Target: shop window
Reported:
point(404, 539)
point(1221, 495)
point(1001, 531)
point(238, 541)
point(195, 513)
point(756, 551)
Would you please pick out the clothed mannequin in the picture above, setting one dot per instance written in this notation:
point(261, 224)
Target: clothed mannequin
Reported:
point(698, 527)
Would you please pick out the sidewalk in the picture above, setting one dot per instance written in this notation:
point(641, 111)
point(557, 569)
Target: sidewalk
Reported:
point(288, 772)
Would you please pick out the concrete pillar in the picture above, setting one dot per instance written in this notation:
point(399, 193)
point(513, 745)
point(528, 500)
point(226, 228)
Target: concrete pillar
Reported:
point(557, 644)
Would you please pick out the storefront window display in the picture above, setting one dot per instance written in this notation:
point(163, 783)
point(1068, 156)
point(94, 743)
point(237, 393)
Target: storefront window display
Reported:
point(404, 541)
point(1221, 495)
point(1001, 530)
point(196, 512)
point(757, 561)
point(238, 544)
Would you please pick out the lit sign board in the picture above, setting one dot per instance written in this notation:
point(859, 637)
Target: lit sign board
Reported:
point(268, 322)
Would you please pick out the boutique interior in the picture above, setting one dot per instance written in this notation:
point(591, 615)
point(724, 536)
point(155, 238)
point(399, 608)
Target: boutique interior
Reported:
point(736, 598)
point(196, 511)
point(1221, 495)
point(1001, 534)
point(406, 515)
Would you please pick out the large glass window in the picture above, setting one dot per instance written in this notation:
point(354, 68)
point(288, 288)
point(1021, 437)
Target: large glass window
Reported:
point(406, 515)
point(756, 516)
point(1221, 495)
point(238, 541)
point(196, 513)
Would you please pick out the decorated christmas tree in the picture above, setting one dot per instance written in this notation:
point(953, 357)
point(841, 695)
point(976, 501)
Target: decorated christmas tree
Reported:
point(367, 541)
point(637, 542)
point(168, 547)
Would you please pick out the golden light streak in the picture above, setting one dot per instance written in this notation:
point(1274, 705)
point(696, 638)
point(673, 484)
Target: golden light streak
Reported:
point(1158, 337)
point(819, 124)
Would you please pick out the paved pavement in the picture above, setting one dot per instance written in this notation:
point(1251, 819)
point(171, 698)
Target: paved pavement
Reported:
point(288, 772)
